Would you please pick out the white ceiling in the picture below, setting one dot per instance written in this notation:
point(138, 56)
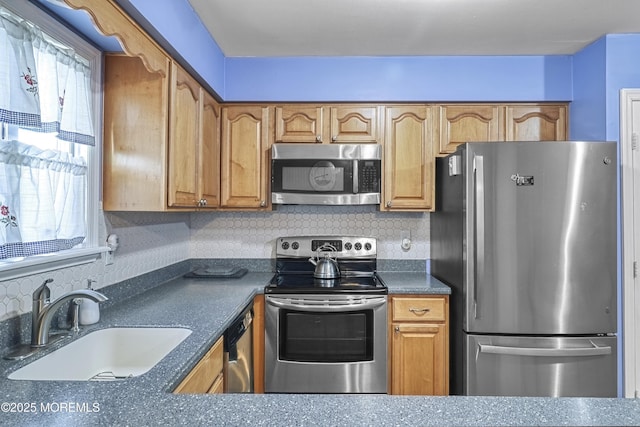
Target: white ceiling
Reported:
point(412, 27)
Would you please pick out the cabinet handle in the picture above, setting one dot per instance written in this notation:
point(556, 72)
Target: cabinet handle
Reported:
point(318, 139)
point(419, 310)
point(262, 203)
point(334, 138)
point(396, 329)
point(389, 204)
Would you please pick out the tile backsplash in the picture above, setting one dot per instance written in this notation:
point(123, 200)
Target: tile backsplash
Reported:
point(149, 241)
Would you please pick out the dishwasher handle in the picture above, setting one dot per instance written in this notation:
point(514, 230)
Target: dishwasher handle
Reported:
point(234, 333)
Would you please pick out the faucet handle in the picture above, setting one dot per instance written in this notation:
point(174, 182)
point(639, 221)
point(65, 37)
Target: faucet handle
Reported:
point(42, 292)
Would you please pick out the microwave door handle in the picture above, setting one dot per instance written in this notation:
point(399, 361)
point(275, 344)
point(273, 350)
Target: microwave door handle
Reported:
point(355, 177)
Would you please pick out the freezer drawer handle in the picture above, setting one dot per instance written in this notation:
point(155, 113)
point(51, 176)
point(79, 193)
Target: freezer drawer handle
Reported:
point(549, 352)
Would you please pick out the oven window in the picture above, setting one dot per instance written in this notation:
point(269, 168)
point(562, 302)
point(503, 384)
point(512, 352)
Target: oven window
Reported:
point(326, 337)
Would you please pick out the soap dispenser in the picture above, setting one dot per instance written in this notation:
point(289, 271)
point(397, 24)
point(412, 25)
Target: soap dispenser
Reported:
point(89, 310)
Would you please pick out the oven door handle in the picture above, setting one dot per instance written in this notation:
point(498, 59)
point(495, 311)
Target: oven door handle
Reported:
point(326, 305)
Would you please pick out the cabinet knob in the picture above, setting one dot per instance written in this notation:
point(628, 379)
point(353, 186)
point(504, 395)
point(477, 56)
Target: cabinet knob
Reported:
point(334, 138)
point(397, 329)
point(318, 139)
point(263, 203)
point(389, 204)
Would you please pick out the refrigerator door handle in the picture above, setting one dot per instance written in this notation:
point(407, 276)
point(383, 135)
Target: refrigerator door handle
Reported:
point(594, 350)
point(478, 225)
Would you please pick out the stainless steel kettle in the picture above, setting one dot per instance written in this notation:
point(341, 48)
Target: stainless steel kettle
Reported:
point(326, 267)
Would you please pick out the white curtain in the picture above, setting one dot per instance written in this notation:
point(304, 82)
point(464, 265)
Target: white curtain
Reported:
point(45, 87)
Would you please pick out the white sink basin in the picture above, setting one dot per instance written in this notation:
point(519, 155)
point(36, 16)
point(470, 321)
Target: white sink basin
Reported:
point(106, 354)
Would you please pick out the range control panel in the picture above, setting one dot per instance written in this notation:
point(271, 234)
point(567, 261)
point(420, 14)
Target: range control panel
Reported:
point(338, 247)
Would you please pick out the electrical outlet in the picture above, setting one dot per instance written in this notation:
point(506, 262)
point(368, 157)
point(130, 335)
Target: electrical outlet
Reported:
point(405, 240)
point(108, 258)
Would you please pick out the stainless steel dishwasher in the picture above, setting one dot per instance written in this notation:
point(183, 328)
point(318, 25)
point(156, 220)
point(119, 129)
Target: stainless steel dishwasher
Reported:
point(238, 354)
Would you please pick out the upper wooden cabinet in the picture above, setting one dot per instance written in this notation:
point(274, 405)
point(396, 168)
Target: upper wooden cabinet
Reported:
point(193, 144)
point(312, 123)
point(299, 123)
point(245, 145)
point(467, 123)
point(408, 159)
point(136, 104)
point(536, 122)
point(460, 123)
point(355, 124)
point(184, 124)
point(209, 152)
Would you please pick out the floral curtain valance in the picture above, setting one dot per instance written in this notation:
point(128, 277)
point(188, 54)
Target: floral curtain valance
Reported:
point(43, 86)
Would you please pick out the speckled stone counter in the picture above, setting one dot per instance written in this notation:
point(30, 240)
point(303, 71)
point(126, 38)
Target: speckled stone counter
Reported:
point(207, 307)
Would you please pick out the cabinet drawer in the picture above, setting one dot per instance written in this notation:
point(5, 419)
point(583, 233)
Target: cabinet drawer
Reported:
point(419, 309)
point(203, 375)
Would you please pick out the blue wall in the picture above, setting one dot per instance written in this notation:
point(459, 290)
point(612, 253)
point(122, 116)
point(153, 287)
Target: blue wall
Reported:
point(178, 23)
point(434, 78)
point(588, 109)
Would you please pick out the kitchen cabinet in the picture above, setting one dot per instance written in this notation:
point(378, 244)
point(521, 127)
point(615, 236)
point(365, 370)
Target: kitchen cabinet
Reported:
point(193, 144)
point(135, 135)
point(419, 345)
point(206, 376)
point(460, 123)
point(408, 161)
point(311, 123)
point(466, 123)
point(300, 123)
point(245, 144)
point(536, 122)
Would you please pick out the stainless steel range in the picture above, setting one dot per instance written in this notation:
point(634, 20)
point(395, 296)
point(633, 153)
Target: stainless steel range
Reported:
point(326, 317)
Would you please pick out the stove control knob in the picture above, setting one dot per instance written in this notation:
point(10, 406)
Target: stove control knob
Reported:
point(358, 246)
point(367, 246)
point(348, 246)
point(295, 246)
point(285, 245)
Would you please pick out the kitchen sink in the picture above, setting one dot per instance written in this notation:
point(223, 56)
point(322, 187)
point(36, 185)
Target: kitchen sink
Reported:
point(106, 354)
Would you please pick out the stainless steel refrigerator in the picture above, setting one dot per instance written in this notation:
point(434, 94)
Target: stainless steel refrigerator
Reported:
point(525, 235)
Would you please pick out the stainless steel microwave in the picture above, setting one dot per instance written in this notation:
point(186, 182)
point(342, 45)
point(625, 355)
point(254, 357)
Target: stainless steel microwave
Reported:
point(325, 174)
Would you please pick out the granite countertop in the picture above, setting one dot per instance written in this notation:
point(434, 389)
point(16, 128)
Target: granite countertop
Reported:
point(207, 307)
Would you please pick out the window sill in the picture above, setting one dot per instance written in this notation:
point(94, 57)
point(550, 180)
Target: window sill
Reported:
point(48, 262)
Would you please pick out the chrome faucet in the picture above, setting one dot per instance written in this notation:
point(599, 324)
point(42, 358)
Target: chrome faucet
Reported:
point(43, 310)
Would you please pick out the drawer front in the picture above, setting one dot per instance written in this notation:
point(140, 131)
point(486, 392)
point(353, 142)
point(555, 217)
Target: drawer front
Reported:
point(419, 309)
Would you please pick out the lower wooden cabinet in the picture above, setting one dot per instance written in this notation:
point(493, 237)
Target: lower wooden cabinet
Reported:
point(206, 376)
point(419, 345)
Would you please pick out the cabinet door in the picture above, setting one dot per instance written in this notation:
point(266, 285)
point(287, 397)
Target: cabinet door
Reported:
point(540, 122)
point(355, 124)
point(136, 104)
point(299, 123)
point(204, 377)
point(244, 159)
point(183, 139)
point(419, 359)
point(409, 159)
point(469, 123)
point(209, 153)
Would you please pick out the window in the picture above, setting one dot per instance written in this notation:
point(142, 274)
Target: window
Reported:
point(49, 143)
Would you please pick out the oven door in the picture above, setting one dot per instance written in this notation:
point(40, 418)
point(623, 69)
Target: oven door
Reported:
point(326, 344)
